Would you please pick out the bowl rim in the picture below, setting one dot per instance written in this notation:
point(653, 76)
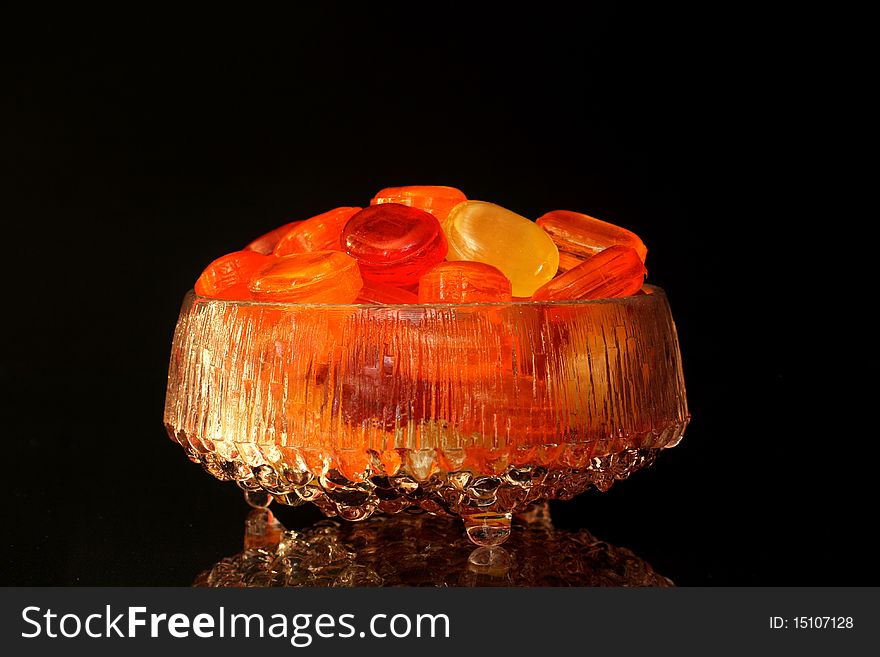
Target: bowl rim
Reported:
point(651, 292)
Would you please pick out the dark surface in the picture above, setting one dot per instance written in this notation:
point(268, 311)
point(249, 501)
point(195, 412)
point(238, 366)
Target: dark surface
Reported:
point(134, 160)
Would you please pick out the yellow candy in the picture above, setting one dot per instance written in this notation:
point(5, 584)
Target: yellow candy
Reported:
point(488, 233)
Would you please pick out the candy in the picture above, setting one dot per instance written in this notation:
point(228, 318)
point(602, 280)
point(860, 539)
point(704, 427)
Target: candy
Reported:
point(583, 236)
point(395, 250)
point(265, 244)
point(320, 233)
point(567, 261)
point(373, 292)
point(488, 233)
point(227, 276)
point(431, 198)
point(394, 244)
point(617, 271)
point(463, 282)
point(318, 277)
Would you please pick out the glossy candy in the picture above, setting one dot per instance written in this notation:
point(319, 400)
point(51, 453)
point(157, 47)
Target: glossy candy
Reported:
point(320, 233)
point(227, 276)
point(394, 244)
point(583, 236)
point(463, 282)
point(495, 255)
point(488, 233)
point(265, 244)
point(318, 277)
point(617, 271)
point(373, 292)
point(435, 199)
point(567, 261)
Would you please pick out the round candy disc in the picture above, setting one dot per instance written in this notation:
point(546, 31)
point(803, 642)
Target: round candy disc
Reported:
point(463, 282)
point(318, 277)
point(437, 200)
point(393, 243)
point(227, 276)
point(319, 233)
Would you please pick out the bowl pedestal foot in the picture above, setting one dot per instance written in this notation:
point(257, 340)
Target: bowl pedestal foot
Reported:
point(488, 529)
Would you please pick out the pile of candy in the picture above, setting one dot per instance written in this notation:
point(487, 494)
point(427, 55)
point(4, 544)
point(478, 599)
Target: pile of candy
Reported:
point(430, 244)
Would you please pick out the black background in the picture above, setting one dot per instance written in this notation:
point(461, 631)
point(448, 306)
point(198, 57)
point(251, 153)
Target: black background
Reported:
point(137, 153)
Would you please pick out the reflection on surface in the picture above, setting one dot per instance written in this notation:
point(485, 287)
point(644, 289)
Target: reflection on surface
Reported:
point(407, 550)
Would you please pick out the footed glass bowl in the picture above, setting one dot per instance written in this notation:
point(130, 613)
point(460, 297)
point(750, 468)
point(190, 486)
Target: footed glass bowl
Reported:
point(473, 410)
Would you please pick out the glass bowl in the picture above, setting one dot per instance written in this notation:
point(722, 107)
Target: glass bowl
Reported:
point(473, 410)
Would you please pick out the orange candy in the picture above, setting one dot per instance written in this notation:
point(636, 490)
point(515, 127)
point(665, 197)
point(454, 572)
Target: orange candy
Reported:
point(617, 271)
point(567, 261)
point(319, 277)
point(228, 275)
point(437, 200)
point(583, 236)
point(265, 244)
point(464, 282)
point(392, 253)
point(320, 233)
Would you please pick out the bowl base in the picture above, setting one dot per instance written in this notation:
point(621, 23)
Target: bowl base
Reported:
point(488, 529)
point(486, 503)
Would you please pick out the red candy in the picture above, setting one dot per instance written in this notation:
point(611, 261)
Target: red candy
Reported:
point(265, 244)
point(394, 244)
point(617, 271)
point(436, 199)
point(319, 277)
point(373, 292)
point(320, 233)
point(464, 282)
point(227, 276)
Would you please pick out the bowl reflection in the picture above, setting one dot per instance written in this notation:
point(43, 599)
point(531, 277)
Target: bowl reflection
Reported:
point(410, 550)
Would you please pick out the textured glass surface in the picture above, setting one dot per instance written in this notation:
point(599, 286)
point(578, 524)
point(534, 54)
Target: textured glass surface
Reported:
point(421, 551)
point(465, 408)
